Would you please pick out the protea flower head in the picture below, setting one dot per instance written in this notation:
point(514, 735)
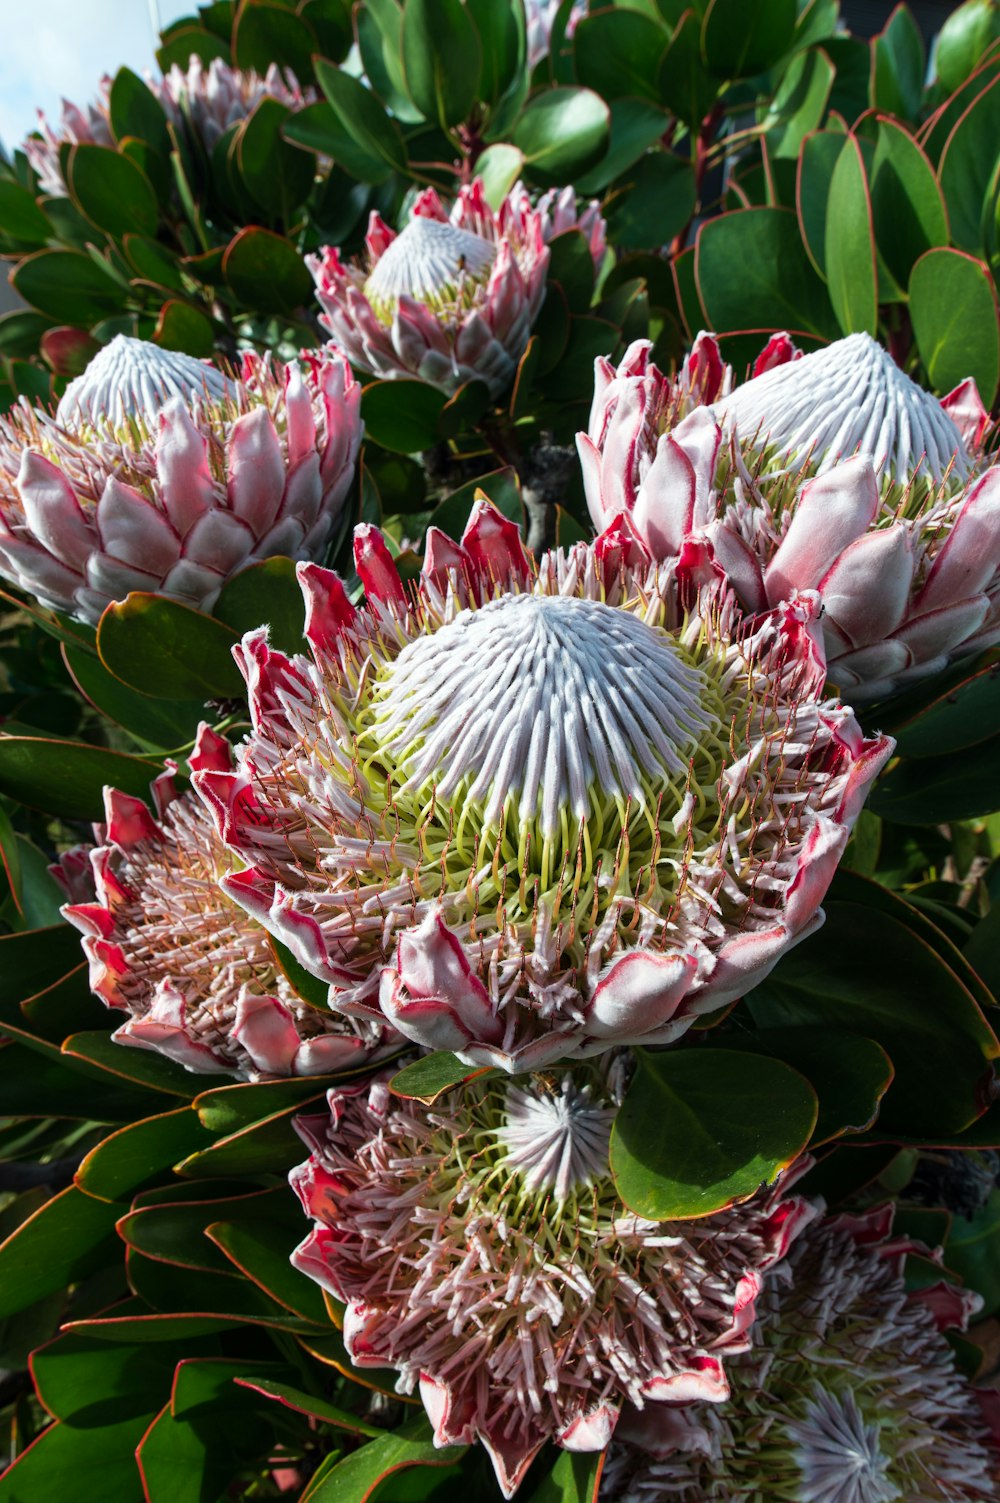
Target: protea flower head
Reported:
point(908, 576)
point(848, 398)
point(849, 1394)
point(131, 488)
point(211, 99)
point(560, 212)
point(90, 126)
point(450, 298)
point(197, 977)
point(529, 812)
point(482, 1250)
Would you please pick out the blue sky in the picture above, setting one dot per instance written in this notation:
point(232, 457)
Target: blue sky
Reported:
point(53, 48)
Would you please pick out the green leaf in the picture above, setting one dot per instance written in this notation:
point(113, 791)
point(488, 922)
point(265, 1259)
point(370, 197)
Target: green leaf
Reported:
point(500, 166)
point(617, 53)
point(267, 272)
point(136, 111)
point(963, 40)
point(87, 1465)
point(195, 1291)
point(277, 175)
point(229, 1108)
point(937, 790)
point(961, 709)
point(21, 218)
point(354, 1479)
point(654, 204)
point(21, 332)
point(261, 1252)
point(168, 724)
point(139, 1065)
point(575, 1478)
point(380, 42)
point(866, 973)
point(265, 594)
point(799, 104)
point(428, 1078)
point(266, 33)
point(181, 1460)
point(849, 1074)
point(303, 982)
point(463, 409)
point(111, 191)
point(967, 165)
point(503, 44)
point(743, 37)
point(402, 415)
point(94, 1384)
point(62, 1242)
point(269, 1146)
point(702, 1128)
point(173, 1231)
point(191, 41)
point(442, 57)
point(563, 133)
point(899, 65)
point(168, 650)
point(307, 1403)
point(67, 778)
point(849, 248)
point(68, 286)
point(954, 312)
point(908, 209)
point(636, 125)
point(982, 949)
point(753, 273)
point(362, 117)
point(501, 486)
point(685, 85)
point(972, 1250)
point(817, 160)
point(140, 1152)
point(181, 327)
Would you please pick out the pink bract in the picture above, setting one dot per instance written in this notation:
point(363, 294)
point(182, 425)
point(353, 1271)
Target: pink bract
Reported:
point(530, 811)
point(481, 1249)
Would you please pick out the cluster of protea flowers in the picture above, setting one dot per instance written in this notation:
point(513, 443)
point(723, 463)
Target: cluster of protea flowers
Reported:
point(482, 1250)
point(850, 1393)
point(199, 980)
point(526, 811)
point(160, 473)
point(452, 296)
point(905, 563)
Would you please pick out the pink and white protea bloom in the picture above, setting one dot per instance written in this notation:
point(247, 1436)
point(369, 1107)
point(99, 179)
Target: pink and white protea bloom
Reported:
point(90, 126)
point(849, 398)
point(482, 1250)
point(211, 99)
point(561, 212)
point(849, 1394)
point(197, 977)
point(530, 812)
point(131, 488)
point(450, 298)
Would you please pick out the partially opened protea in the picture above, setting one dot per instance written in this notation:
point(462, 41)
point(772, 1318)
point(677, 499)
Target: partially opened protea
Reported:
point(849, 1394)
point(90, 126)
point(908, 577)
point(160, 474)
point(528, 812)
point(482, 1250)
point(450, 298)
point(198, 978)
point(208, 100)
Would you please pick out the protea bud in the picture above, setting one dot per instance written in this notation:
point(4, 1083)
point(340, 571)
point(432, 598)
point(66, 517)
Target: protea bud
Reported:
point(482, 1250)
point(131, 488)
point(531, 812)
point(209, 100)
point(90, 126)
point(450, 298)
point(849, 1394)
point(198, 978)
point(848, 398)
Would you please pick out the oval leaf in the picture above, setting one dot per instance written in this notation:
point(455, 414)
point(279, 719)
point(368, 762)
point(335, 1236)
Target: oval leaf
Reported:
point(167, 650)
point(562, 134)
point(849, 245)
point(954, 312)
point(442, 58)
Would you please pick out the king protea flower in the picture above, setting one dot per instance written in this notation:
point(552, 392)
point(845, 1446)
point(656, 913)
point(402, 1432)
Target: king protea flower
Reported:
point(528, 812)
point(197, 977)
point(849, 1394)
point(909, 578)
point(131, 488)
point(481, 1250)
point(449, 299)
point(208, 100)
point(90, 126)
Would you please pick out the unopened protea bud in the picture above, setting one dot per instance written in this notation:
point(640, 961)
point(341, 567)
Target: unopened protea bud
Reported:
point(450, 298)
point(159, 473)
point(208, 100)
point(849, 1394)
point(528, 813)
point(482, 1250)
point(90, 126)
point(198, 978)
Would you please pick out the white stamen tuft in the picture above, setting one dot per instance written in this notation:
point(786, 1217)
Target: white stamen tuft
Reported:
point(557, 1140)
point(548, 697)
point(840, 1456)
point(426, 258)
point(848, 398)
point(133, 378)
